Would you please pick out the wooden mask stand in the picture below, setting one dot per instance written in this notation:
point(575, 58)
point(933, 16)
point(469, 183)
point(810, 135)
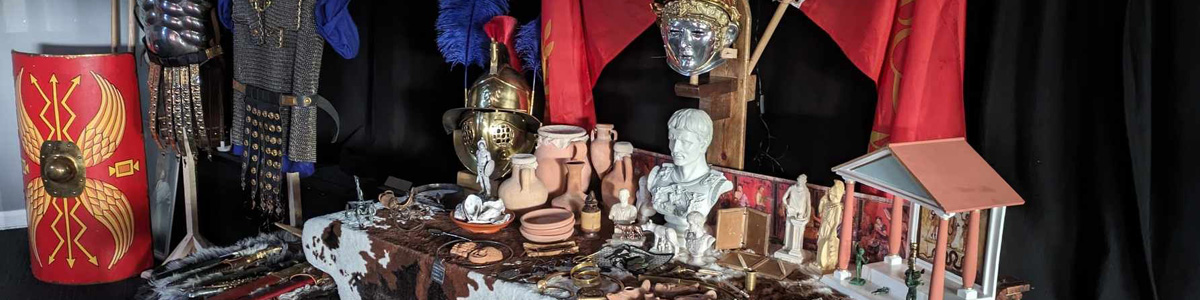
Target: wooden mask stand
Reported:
point(729, 88)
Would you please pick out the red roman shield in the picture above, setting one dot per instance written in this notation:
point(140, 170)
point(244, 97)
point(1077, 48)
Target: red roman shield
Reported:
point(82, 152)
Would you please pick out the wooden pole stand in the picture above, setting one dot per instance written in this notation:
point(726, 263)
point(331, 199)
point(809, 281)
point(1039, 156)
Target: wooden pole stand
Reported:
point(192, 241)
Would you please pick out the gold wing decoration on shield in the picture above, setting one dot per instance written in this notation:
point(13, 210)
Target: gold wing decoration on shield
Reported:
point(36, 199)
point(100, 138)
point(31, 139)
point(98, 142)
point(36, 202)
point(108, 205)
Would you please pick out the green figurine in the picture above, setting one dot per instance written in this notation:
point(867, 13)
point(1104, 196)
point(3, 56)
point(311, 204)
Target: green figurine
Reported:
point(912, 277)
point(858, 263)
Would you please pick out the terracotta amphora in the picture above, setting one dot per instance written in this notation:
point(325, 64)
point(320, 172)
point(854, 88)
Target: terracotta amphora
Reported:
point(558, 144)
point(621, 175)
point(523, 192)
point(601, 148)
point(573, 199)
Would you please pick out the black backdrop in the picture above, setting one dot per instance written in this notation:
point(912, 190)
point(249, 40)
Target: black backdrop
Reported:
point(1057, 96)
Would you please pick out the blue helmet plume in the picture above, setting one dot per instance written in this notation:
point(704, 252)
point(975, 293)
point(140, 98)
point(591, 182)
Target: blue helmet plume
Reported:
point(529, 45)
point(460, 29)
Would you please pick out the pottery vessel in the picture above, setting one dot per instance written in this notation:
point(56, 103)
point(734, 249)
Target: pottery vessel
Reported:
point(547, 219)
point(558, 144)
point(523, 192)
point(621, 175)
point(573, 198)
point(537, 238)
point(548, 225)
point(601, 148)
point(481, 228)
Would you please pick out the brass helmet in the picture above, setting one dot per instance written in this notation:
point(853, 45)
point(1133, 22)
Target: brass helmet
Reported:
point(497, 111)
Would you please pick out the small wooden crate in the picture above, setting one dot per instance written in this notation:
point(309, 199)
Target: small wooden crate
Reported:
point(743, 229)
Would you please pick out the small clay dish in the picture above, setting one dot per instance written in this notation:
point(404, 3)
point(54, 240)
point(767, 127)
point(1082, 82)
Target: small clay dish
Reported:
point(547, 218)
point(482, 228)
point(550, 232)
point(548, 238)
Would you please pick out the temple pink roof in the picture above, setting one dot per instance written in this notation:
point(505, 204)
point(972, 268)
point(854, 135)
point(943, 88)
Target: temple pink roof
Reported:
point(946, 175)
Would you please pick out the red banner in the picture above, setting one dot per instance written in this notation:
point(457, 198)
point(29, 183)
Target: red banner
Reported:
point(914, 52)
point(579, 37)
point(88, 225)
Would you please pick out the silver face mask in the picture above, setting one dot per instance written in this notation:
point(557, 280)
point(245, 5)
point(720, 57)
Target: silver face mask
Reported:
point(694, 46)
point(176, 27)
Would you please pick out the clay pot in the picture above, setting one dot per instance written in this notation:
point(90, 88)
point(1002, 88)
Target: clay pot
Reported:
point(523, 192)
point(621, 175)
point(558, 144)
point(574, 197)
point(601, 148)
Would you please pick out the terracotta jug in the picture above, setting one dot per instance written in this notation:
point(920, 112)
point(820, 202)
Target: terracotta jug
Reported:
point(601, 148)
point(621, 175)
point(523, 192)
point(558, 144)
point(573, 199)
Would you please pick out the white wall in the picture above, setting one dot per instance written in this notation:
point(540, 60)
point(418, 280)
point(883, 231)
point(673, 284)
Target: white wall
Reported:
point(30, 26)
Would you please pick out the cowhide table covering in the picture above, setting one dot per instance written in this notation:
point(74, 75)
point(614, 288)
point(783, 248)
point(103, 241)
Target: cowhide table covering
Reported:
point(384, 262)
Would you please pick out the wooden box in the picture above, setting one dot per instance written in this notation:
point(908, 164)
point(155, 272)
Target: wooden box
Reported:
point(743, 229)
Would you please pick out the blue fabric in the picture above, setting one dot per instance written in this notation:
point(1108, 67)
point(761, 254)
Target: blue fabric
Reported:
point(225, 13)
point(304, 168)
point(335, 25)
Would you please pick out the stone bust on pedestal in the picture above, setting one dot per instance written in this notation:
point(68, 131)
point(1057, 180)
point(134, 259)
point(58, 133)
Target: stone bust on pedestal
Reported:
point(689, 184)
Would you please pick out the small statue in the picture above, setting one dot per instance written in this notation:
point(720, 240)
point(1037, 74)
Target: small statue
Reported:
point(484, 166)
point(912, 277)
point(831, 216)
point(688, 184)
point(799, 211)
point(644, 205)
point(624, 216)
point(623, 212)
point(858, 263)
point(698, 243)
point(664, 238)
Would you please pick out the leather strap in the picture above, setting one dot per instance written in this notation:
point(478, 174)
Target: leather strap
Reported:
point(194, 58)
point(291, 100)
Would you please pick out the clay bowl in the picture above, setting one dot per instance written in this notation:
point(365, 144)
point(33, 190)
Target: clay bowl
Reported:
point(549, 232)
point(547, 219)
point(481, 228)
point(548, 239)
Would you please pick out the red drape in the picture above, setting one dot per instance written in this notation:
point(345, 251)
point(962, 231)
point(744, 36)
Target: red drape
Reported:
point(578, 38)
point(914, 52)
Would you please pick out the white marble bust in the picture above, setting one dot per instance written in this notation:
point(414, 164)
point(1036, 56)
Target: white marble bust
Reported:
point(689, 184)
point(697, 245)
point(623, 212)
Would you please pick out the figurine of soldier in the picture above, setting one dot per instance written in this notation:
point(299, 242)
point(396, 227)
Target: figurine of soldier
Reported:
point(483, 168)
point(858, 263)
point(912, 277)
